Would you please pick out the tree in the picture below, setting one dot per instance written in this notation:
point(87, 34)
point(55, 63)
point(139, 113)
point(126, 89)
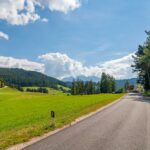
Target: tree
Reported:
point(2, 84)
point(107, 84)
point(126, 85)
point(90, 87)
point(104, 83)
point(142, 63)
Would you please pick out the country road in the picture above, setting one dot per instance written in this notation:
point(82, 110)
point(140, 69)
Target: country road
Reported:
point(123, 126)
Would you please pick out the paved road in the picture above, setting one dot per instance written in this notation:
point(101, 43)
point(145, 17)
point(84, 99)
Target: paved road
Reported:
point(123, 126)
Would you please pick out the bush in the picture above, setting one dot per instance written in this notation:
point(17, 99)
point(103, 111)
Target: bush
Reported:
point(119, 90)
point(40, 90)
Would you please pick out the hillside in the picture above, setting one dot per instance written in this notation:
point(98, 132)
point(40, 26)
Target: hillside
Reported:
point(24, 78)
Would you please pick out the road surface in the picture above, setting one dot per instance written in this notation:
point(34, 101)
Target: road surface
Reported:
point(123, 126)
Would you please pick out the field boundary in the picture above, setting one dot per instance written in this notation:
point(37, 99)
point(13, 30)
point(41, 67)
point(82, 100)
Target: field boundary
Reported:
point(36, 139)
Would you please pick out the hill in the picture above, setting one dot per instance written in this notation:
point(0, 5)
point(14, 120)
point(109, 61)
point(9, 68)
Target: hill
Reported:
point(24, 78)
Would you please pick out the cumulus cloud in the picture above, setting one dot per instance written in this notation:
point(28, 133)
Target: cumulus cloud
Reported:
point(18, 12)
point(63, 5)
point(10, 62)
point(61, 66)
point(21, 12)
point(4, 36)
point(120, 68)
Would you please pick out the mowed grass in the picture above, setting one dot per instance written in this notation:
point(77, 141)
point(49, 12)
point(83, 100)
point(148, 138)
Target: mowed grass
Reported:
point(25, 115)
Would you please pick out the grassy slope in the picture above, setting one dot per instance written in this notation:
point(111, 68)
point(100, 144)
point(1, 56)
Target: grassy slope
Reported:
point(25, 115)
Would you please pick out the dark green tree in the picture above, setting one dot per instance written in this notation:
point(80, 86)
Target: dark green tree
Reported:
point(142, 63)
point(126, 86)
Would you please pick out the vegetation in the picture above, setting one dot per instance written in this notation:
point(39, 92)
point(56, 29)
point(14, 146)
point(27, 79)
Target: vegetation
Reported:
point(22, 78)
point(106, 85)
point(2, 84)
point(147, 93)
point(25, 115)
point(142, 63)
point(126, 86)
point(39, 89)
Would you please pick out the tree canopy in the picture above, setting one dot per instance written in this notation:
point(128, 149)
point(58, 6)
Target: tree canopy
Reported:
point(142, 63)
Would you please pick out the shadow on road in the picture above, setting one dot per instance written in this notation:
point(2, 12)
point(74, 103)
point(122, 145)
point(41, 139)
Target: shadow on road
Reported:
point(140, 97)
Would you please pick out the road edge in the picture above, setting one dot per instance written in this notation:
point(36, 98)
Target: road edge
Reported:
point(36, 139)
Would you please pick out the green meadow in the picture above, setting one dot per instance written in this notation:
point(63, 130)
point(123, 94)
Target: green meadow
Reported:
point(25, 115)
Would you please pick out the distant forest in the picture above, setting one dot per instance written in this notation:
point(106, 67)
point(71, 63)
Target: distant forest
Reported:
point(22, 78)
point(106, 85)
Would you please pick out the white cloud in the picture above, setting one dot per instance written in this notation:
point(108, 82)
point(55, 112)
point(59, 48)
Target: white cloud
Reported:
point(10, 62)
point(44, 20)
point(21, 12)
point(4, 36)
point(63, 5)
point(120, 68)
point(61, 66)
point(18, 12)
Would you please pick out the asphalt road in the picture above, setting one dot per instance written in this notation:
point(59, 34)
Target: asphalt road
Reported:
point(123, 126)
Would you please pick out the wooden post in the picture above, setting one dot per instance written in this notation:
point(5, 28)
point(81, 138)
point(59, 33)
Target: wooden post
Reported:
point(53, 119)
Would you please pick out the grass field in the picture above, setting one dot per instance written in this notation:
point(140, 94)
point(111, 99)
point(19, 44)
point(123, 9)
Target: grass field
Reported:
point(25, 115)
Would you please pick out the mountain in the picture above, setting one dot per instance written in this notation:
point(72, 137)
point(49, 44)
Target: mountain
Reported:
point(119, 83)
point(13, 76)
point(83, 78)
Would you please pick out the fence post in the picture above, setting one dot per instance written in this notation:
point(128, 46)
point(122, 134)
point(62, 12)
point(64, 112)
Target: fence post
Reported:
point(53, 119)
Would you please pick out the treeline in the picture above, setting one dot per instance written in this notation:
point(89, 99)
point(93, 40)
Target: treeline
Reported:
point(106, 85)
point(40, 90)
point(23, 78)
point(142, 63)
point(2, 84)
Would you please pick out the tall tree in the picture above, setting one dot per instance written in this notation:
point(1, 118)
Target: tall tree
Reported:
point(126, 86)
point(107, 84)
point(142, 63)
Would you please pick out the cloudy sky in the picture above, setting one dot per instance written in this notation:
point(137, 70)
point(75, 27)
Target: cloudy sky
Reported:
point(63, 38)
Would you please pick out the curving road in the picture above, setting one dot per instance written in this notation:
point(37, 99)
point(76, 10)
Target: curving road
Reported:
point(123, 126)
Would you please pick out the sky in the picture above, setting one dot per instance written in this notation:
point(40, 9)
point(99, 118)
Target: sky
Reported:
point(63, 38)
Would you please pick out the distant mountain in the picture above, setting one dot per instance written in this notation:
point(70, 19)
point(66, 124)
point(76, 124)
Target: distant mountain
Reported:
point(27, 78)
point(83, 78)
point(119, 83)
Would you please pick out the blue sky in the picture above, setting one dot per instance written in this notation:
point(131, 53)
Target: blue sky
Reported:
point(93, 33)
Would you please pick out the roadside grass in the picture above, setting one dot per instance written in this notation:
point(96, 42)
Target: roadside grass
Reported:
point(25, 115)
point(147, 93)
